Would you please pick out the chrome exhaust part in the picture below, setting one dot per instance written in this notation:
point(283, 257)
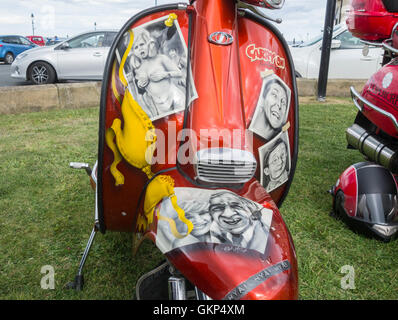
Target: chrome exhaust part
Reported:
point(372, 147)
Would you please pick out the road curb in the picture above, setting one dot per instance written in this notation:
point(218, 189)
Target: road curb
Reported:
point(32, 98)
point(335, 87)
point(21, 99)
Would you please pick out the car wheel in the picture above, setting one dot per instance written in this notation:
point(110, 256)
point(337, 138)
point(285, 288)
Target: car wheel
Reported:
point(9, 58)
point(42, 73)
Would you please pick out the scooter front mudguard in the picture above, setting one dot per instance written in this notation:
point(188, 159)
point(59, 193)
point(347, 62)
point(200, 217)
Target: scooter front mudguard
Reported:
point(239, 247)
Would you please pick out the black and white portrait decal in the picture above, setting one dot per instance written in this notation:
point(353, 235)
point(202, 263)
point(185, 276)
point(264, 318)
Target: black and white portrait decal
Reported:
point(156, 68)
point(218, 216)
point(272, 107)
point(275, 162)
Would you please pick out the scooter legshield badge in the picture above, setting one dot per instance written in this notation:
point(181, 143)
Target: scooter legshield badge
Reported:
point(221, 38)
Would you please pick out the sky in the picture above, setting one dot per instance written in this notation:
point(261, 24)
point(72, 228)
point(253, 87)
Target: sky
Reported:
point(302, 19)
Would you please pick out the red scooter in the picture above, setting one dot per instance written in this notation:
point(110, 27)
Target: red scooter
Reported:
point(198, 144)
point(366, 193)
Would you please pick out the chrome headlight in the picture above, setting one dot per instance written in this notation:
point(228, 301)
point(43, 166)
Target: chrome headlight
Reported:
point(273, 4)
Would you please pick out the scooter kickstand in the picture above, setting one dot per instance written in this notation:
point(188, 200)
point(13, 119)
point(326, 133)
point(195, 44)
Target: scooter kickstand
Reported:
point(78, 283)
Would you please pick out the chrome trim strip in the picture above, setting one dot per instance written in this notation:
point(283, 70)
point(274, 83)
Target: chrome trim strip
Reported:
point(224, 165)
point(221, 38)
point(387, 43)
point(371, 43)
point(355, 95)
point(255, 280)
point(387, 46)
point(393, 29)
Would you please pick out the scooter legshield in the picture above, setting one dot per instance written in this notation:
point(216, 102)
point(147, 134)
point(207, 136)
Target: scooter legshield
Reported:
point(172, 73)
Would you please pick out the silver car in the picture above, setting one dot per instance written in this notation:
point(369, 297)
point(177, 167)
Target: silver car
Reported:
point(82, 57)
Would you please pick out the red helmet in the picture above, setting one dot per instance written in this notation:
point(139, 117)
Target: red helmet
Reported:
point(365, 197)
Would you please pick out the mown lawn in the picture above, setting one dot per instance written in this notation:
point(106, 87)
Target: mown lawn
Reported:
point(47, 209)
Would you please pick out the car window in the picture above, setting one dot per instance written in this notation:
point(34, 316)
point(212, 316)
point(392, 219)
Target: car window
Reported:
point(110, 36)
point(91, 40)
point(24, 41)
point(10, 40)
point(311, 41)
point(14, 40)
point(317, 38)
point(348, 41)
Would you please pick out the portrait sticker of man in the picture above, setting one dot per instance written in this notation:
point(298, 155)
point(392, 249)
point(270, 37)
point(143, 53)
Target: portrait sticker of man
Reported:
point(218, 216)
point(272, 108)
point(239, 221)
point(156, 68)
point(275, 162)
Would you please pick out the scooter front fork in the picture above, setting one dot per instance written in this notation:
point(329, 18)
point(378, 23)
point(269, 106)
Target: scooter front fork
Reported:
point(177, 290)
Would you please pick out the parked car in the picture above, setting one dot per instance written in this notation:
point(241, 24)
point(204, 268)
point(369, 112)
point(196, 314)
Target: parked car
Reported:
point(11, 46)
point(348, 59)
point(39, 40)
point(82, 57)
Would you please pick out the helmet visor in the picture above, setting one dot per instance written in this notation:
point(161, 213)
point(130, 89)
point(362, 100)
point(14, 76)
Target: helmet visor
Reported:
point(379, 208)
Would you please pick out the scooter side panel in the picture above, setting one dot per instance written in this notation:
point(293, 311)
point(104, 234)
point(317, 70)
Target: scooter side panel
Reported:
point(382, 90)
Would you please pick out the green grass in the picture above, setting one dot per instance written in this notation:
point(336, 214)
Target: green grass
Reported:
point(324, 244)
point(47, 209)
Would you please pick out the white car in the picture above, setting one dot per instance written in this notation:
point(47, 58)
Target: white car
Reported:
point(82, 57)
point(347, 59)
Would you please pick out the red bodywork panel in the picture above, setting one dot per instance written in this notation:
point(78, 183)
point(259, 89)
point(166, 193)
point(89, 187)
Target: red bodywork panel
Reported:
point(382, 90)
point(369, 20)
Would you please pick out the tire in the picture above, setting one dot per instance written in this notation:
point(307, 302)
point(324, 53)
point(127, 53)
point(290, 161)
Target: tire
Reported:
point(42, 73)
point(9, 58)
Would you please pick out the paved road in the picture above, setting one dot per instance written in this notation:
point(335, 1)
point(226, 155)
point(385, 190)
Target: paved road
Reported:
point(6, 80)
